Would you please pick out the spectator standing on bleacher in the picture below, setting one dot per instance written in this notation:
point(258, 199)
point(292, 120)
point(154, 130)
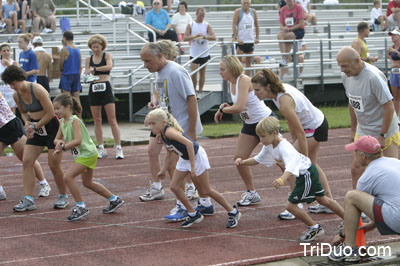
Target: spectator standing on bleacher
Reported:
point(27, 58)
point(244, 25)
point(291, 19)
point(180, 20)
point(9, 12)
point(393, 13)
point(44, 12)
point(44, 61)
point(199, 33)
point(360, 44)
point(378, 18)
point(6, 60)
point(394, 57)
point(70, 67)
point(158, 20)
point(310, 17)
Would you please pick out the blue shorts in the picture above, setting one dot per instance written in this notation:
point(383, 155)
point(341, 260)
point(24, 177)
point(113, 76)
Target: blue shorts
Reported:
point(71, 83)
point(395, 79)
point(299, 34)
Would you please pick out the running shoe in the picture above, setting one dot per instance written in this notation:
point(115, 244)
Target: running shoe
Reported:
point(189, 221)
point(3, 195)
point(152, 194)
point(341, 253)
point(177, 214)
point(233, 219)
point(119, 154)
point(61, 202)
point(204, 210)
point(311, 233)
point(319, 209)
point(78, 213)
point(24, 205)
point(249, 198)
point(44, 190)
point(102, 153)
point(191, 193)
point(113, 205)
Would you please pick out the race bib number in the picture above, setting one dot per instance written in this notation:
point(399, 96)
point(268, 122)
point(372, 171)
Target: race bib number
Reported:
point(289, 21)
point(40, 131)
point(357, 103)
point(173, 149)
point(248, 26)
point(98, 87)
point(75, 152)
point(244, 115)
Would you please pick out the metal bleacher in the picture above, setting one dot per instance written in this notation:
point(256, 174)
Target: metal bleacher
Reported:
point(323, 42)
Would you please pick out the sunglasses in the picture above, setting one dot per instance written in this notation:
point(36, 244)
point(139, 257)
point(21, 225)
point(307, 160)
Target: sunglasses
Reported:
point(156, 3)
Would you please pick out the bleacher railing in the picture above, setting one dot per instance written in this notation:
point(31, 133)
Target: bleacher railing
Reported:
point(131, 21)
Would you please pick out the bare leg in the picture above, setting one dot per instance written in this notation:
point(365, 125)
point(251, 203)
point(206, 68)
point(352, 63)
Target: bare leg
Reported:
point(202, 79)
point(331, 204)
point(55, 167)
point(87, 181)
point(153, 150)
point(396, 100)
point(31, 153)
point(356, 170)
point(112, 121)
point(300, 214)
point(193, 67)
point(176, 187)
point(98, 130)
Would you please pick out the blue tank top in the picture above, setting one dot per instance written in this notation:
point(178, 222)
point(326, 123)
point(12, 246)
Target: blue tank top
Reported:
point(395, 56)
point(178, 147)
point(35, 106)
point(73, 63)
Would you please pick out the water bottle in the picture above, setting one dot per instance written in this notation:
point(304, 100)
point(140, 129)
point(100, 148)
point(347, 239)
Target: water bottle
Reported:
point(266, 56)
point(347, 28)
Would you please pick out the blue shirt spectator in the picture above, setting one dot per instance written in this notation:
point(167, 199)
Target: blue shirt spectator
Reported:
point(28, 61)
point(158, 20)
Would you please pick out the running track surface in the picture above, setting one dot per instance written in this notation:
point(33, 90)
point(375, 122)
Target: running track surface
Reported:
point(137, 235)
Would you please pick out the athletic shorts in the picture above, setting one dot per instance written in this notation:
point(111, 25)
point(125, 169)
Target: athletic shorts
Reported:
point(307, 187)
point(395, 138)
point(395, 79)
point(320, 134)
point(43, 80)
point(100, 94)
point(71, 83)
point(201, 160)
point(45, 136)
point(250, 129)
point(201, 60)
point(12, 131)
point(89, 162)
point(246, 48)
point(299, 34)
point(378, 218)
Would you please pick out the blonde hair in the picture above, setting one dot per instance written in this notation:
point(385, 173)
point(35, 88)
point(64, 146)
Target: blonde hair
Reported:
point(233, 64)
point(26, 37)
point(99, 39)
point(268, 125)
point(161, 115)
point(168, 49)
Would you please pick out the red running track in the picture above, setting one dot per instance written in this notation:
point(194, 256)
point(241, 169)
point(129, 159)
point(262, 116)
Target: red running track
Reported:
point(137, 234)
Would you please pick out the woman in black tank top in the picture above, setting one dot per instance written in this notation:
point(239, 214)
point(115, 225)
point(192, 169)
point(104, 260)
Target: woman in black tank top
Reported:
point(100, 93)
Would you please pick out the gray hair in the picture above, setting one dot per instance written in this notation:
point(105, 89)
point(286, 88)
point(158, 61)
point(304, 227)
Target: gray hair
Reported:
point(153, 48)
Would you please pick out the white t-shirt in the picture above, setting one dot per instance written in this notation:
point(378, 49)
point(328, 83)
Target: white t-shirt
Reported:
point(295, 162)
point(181, 21)
point(304, 4)
point(381, 179)
point(375, 13)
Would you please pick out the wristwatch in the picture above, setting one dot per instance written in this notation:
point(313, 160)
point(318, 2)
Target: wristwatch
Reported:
point(384, 135)
point(63, 147)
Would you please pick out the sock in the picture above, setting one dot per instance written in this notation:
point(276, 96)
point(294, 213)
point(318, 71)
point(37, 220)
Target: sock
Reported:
point(43, 182)
point(101, 146)
point(314, 226)
point(235, 211)
point(112, 198)
point(1, 188)
point(180, 204)
point(187, 185)
point(63, 195)
point(206, 202)
point(81, 204)
point(30, 198)
point(192, 214)
point(118, 146)
point(156, 185)
point(252, 191)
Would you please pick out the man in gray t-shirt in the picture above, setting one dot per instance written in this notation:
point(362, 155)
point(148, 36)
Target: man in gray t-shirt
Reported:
point(377, 195)
point(370, 105)
point(44, 12)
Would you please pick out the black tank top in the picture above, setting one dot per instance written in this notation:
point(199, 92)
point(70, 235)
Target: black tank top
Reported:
point(102, 63)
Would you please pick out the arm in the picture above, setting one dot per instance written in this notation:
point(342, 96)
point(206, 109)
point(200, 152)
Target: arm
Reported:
point(298, 26)
point(211, 35)
point(296, 129)
point(87, 65)
point(77, 136)
point(64, 54)
point(356, 45)
point(280, 182)
point(187, 37)
point(235, 20)
point(16, 6)
point(388, 110)
point(24, 116)
point(48, 109)
point(309, 7)
point(257, 40)
point(353, 120)
point(34, 64)
point(243, 92)
point(192, 110)
point(249, 161)
point(49, 68)
point(58, 141)
point(53, 8)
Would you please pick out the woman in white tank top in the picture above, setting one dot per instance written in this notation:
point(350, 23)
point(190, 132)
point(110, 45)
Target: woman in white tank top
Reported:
point(5, 62)
point(307, 124)
point(251, 110)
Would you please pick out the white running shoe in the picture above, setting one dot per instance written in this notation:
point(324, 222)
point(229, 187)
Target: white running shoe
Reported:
point(44, 190)
point(249, 198)
point(102, 153)
point(286, 215)
point(319, 209)
point(191, 193)
point(311, 233)
point(119, 154)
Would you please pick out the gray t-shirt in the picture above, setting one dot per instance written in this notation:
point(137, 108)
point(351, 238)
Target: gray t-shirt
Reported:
point(367, 92)
point(43, 7)
point(381, 179)
point(175, 83)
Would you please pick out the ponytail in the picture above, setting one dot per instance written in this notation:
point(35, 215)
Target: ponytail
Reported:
point(167, 117)
point(266, 77)
point(65, 99)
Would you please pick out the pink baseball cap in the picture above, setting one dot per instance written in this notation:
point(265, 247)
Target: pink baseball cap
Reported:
point(365, 144)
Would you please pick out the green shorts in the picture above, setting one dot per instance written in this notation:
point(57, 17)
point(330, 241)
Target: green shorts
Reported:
point(89, 162)
point(307, 187)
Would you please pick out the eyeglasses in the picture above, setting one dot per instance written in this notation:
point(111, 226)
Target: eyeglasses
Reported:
point(156, 3)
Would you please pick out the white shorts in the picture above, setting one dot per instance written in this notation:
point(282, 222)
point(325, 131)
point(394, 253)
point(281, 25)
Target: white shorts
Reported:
point(391, 19)
point(201, 160)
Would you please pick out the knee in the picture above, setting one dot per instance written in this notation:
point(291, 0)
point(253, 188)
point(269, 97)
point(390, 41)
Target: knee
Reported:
point(290, 206)
point(28, 162)
point(87, 183)
point(97, 120)
point(280, 35)
point(350, 196)
point(55, 167)
point(175, 188)
point(152, 152)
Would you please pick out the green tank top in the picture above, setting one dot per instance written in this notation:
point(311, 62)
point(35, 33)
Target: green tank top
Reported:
point(87, 148)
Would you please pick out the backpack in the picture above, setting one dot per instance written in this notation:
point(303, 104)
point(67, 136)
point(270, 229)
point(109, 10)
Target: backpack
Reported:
point(241, 15)
point(65, 24)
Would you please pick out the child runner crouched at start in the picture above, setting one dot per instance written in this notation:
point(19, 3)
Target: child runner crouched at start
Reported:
point(192, 159)
point(77, 139)
point(308, 188)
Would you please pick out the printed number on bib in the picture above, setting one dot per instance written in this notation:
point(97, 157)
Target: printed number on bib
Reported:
point(75, 152)
point(99, 87)
point(248, 26)
point(173, 149)
point(41, 131)
point(357, 103)
point(289, 21)
point(244, 115)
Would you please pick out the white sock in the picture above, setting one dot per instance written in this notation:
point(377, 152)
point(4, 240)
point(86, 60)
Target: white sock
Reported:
point(192, 214)
point(118, 146)
point(1, 189)
point(157, 185)
point(178, 202)
point(43, 182)
point(235, 211)
point(206, 202)
point(314, 226)
point(101, 146)
point(253, 191)
point(187, 185)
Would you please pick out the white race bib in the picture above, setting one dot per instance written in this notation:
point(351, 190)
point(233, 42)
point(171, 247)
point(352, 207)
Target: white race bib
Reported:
point(75, 152)
point(244, 115)
point(98, 87)
point(289, 21)
point(357, 103)
point(40, 131)
point(173, 149)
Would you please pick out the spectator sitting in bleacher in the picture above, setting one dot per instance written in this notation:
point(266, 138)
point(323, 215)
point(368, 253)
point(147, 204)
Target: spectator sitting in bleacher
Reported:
point(167, 3)
point(44, 61)
point(24, 12)
point(180, 20)
point(158, 20)
point(360, 45)
point(310, 17)
point(44, 14)
point(393, 13)
point(291, 19)
point(9, 13)
point(280, 4)
point(378, 18)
